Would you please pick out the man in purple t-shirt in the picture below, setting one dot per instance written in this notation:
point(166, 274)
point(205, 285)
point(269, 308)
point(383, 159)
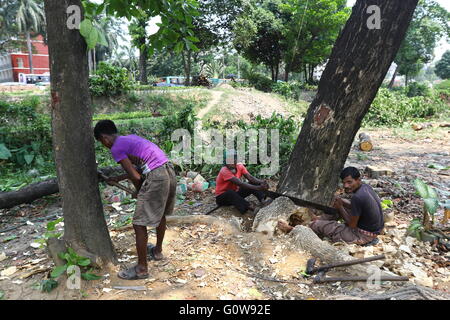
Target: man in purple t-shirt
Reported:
point(153, 175)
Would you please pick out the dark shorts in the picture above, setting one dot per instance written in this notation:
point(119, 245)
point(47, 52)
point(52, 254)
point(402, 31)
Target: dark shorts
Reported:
point(156, 198)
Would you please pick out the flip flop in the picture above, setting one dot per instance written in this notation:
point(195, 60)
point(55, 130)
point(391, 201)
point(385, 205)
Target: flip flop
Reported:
point(131, 274)
point(151, 252)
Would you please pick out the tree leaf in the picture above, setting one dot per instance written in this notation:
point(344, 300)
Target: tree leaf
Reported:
point(431, 205)
point(58, 271)
point(102, 38)
point(421, 188)
point(432, 193)
point(92, 39)
point(86, 28)
point(90, 276)
point(4, 152)
point(84, 262)
point(29, 158)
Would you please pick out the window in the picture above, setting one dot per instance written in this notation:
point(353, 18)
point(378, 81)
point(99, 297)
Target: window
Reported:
point(20, 62)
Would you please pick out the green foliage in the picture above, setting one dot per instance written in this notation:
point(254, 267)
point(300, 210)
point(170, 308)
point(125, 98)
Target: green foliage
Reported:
point(92, 34)
point(50, 233)
point(26, 137)
point(73, 259)
point(45, 285)
point(292, 89)
point(416, 89)
point(430, 23)
point(122, 116)
point(442, 69)
point(415, 229)
point(260, 82)
point(393, 109)
point(429, 196)
point(109, 80)
point(386, 204)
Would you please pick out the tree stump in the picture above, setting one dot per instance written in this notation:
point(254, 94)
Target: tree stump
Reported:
point(365, 143)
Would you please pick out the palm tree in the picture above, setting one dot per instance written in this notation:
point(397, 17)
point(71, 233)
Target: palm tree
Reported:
point(30, 17)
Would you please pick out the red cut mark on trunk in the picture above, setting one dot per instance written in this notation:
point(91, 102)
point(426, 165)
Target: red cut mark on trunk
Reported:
point(321, 115)
point(55, 99)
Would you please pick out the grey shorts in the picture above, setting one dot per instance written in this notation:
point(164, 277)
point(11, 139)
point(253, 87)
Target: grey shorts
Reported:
point(156, 198)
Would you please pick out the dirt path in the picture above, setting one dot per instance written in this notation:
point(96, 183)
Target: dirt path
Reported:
point(216, 95)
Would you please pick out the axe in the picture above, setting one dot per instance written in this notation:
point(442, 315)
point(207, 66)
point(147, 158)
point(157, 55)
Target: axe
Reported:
point(116, 184)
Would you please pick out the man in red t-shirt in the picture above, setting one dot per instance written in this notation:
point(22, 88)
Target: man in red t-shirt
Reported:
point(231, 190)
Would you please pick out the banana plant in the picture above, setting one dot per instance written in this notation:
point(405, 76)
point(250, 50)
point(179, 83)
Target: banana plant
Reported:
point(431, 202)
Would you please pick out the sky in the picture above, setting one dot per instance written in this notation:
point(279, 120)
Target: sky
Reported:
point(152, 28)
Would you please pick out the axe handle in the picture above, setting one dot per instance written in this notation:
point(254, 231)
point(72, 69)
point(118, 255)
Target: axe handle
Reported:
point(319, 279)
point(116, 184)
point(347, 263)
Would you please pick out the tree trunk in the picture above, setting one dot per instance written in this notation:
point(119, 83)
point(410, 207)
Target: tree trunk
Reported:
point(357, 66)
point(406, 80)
point(391, 84)
point(286, 72)
point(30, 52)
point(73, 145)
point(277, 71)
point(187, 67)
point(143, 56)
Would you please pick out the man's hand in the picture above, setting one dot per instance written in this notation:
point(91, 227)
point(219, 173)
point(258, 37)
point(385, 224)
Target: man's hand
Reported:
point(265, 185)
point(338, 203)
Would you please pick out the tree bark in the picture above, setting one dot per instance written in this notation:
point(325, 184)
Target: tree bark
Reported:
point(187, 67)
point(391, 84)
point(85, 227)
point(286, 72)
point(143, 56)
point(357, 66)
point(30, 52)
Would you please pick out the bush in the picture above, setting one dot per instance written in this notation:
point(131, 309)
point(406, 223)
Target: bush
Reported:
point(290, 90)
point(25, 133)
point(109, 80)
point(393, 109)
point(260, 82)
point(416, 89)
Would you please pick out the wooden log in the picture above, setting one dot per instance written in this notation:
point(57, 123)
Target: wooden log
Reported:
point(305, 239)
point(365, 143)
point(418, 126)
point(41, 189)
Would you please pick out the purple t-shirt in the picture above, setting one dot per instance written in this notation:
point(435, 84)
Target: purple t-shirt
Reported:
point(143, 153)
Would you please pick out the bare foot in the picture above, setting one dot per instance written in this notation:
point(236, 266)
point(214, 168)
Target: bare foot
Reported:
point(284, 226)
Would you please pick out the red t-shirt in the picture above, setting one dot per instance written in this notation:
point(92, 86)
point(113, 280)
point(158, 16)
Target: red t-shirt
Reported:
point(223, 182)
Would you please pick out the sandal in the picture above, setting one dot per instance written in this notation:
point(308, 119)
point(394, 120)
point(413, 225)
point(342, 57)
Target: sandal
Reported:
point(131, 274)
point(151, 253)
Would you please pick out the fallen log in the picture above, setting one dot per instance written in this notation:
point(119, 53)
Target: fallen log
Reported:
point(418, 127)
point(305, 239)
point(41, 189)
point(365, 143)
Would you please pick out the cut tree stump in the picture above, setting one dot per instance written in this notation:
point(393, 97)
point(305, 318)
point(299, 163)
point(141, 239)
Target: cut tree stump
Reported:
point(365, 143)
point(375, 172)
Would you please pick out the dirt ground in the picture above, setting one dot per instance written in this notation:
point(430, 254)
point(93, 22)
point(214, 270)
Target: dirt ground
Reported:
point(204, 261)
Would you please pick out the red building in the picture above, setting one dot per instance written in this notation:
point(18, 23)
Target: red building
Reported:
point(19, 61)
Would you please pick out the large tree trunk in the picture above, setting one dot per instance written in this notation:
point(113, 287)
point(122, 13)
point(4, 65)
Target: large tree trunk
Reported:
point(85, 227)
point(357, 66)
point(391, 84)
point(30, 52)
